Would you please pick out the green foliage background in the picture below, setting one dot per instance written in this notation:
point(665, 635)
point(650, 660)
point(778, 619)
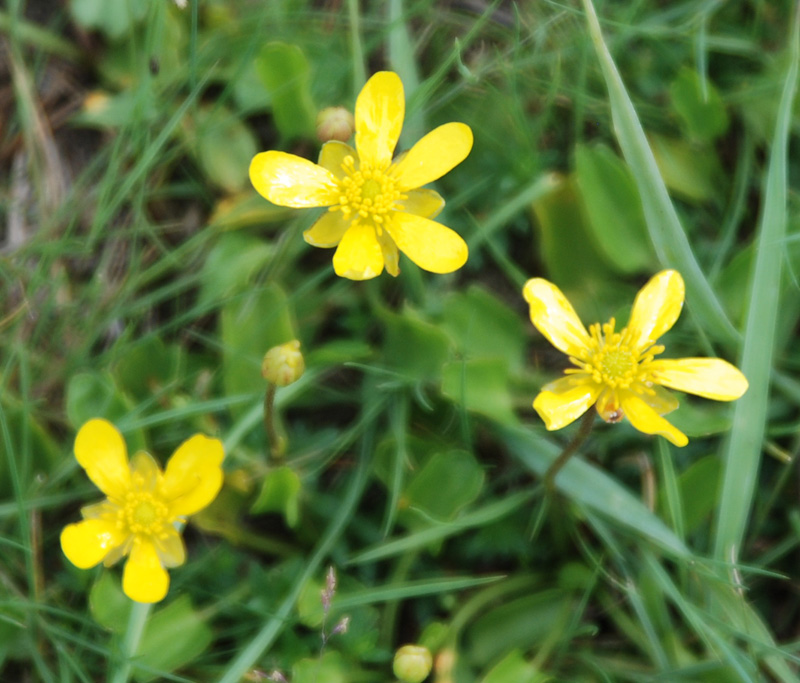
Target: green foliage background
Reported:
point(142, 279)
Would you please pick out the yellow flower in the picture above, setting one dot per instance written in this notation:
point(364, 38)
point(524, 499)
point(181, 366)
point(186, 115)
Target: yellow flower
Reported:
point(617, 371)
point(139, 517)
point(374, 205)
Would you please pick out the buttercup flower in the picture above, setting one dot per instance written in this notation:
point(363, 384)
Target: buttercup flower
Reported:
point(617, 371)
point(375, 206)
point(138, 519)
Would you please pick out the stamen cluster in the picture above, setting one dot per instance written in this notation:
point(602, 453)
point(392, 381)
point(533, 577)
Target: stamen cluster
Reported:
point(144, 514)
point(367, 192)
point(613, 361)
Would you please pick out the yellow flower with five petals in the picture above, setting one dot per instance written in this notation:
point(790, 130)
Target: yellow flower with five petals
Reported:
point(375, 206)
point(144, 504)
point(617, 371)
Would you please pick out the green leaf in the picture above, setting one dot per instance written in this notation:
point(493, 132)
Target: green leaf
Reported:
point(614, 209)
point(480, 385)
point(109, 606)
point(244, 210)
point(232, 265)
point(147, 365)
point(522, 623)
point(329, 668)
point(484, 327)
point(225, 146)
point(249, 91)
point(115, 19)
point(701, 111)
point(512, 667)
point(285, 72)
point(174, 636)
point(689, 170)
point(695, 418)
point(414, 348)
point(280, 492)
point(565, 238)
point(95, 394)
point(447, 483)
point(251, 325)
point(695, 483)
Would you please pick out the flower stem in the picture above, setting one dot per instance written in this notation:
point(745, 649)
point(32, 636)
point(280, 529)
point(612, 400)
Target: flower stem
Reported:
point(569, 450)
point(130, 643)
point(276, 443)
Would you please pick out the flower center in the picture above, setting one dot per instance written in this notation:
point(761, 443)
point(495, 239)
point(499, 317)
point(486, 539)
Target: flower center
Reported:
point(612, 361)
point(367, 192)
point(616, 365)
point(142, 513)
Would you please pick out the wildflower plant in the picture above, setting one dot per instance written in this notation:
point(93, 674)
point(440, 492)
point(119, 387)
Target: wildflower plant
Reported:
point(144, 509)
point(617, 372)
point(143, 280)
point(375, 205)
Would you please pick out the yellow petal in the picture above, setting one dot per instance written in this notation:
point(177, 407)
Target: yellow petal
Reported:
point(647, 420)
point(661, 400)
point(425, 203)
point(105, 510)
point(171, 550)
point(328, 230)
point(437, 153)
point(656, 308)
point(144, 579)
point(554, 317)
point(193, 476)
point(333, 154)
point(359, 256)
point(564, 401)
point(708, 377)
point(119, 552)
point(145, 471)
point(391, 256)
point(86, 543)
point(380, 109)
point(100, 450)
point(289, 180)
point(431, 245)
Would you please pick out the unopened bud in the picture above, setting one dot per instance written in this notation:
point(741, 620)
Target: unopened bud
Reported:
point(283, 364)
point(412, 663)
point(335, 123)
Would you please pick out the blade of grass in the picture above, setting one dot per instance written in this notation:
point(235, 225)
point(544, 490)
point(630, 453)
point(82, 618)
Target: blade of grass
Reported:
point(250, 653)
point(411, 589)
point(357, 49)
point(743, 447)
point(480, 517)
point(403, 61)
point(717, 642)
point(669, 239)
point(587, 485)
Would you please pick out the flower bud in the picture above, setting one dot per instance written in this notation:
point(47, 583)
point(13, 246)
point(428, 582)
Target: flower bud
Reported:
point(283, 364)
point(335, 123)
point(412, 663)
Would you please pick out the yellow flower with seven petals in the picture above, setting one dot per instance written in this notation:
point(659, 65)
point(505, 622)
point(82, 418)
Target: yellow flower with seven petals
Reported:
point(375, 206)
point(617, 371)
point(139, 517)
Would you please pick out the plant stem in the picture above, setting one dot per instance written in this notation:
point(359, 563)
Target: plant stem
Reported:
point(569, 450)
point(130, 643)
point(276, 443)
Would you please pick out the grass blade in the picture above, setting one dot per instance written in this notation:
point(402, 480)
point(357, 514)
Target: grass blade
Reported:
point(743, 452)
point(587, 485)
point(669, 239)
